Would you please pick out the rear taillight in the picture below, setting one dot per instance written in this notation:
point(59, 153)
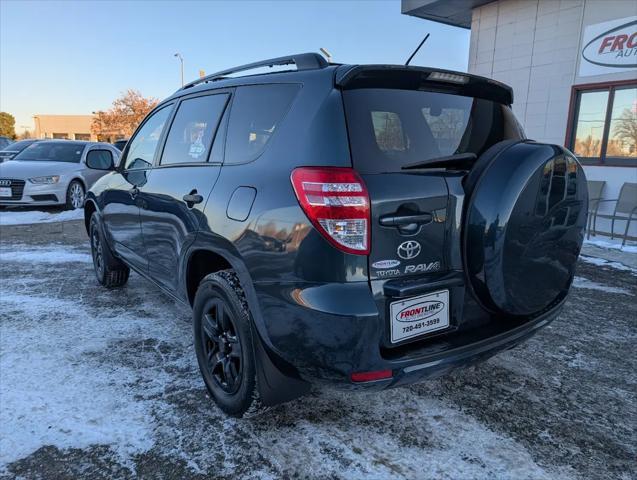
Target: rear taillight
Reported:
point(336, 202)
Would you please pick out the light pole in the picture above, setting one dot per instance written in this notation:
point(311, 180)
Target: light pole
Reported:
point(181, 59)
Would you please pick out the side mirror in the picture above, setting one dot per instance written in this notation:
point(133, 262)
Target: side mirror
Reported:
point(100, 160)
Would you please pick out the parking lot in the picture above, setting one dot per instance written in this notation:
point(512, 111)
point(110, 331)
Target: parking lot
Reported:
point(104, 384)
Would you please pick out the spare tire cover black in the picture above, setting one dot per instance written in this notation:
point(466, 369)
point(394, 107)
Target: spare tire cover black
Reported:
point(523, 226)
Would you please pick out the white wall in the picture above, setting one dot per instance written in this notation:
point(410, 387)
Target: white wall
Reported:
point(534, 46)
point(531, 45)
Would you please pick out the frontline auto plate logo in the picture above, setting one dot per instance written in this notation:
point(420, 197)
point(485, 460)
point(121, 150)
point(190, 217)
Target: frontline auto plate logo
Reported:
point(386, 264)
point(408, 250)
point(420, 312)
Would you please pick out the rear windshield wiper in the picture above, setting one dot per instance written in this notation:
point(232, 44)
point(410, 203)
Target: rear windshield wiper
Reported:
point(457, 161)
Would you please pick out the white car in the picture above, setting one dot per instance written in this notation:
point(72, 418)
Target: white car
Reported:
point(55, 172)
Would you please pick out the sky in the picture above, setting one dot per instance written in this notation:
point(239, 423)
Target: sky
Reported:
point(76, 57)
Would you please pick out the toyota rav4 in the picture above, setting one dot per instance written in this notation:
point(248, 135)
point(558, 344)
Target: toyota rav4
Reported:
point(356, 226)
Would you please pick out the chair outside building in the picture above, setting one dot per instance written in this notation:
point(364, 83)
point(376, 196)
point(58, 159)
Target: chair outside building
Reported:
point(625, 209)
point(595, 190)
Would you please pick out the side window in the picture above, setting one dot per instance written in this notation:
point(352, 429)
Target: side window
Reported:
point(193, 129)
point(256, 112)
point(142, 147)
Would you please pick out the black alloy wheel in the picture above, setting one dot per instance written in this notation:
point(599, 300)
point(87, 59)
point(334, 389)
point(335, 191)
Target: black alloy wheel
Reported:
point(221, 346)
point(222, 327)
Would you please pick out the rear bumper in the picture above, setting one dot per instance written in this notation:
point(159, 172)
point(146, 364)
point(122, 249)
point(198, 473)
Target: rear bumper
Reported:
point(437, 365)
point(326, 332)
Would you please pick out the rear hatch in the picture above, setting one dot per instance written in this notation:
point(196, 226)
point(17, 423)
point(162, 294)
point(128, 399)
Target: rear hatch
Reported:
point(414, 133)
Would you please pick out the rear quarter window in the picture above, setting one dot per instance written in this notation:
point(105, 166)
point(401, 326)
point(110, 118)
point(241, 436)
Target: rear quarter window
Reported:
point(255, 115)
point(391, 128)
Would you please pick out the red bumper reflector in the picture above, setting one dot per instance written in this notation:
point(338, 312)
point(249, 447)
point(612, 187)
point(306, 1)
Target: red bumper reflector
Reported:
point(371, 376)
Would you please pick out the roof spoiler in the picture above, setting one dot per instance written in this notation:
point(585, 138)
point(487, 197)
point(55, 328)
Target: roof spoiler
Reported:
point(303, 61)
point(423, 78)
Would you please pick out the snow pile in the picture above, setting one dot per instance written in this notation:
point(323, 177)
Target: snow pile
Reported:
point(612, 244)
point(8, 217)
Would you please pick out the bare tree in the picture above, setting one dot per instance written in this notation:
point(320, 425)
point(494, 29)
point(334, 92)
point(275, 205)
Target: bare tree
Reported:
point(625, 134)
point(123, 117)
point(587, 147)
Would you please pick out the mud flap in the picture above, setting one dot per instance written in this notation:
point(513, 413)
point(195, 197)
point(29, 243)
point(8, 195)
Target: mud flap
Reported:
point(275, 386)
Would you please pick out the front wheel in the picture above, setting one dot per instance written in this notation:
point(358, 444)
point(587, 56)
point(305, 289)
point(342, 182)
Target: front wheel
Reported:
point(75, 195)
point(223, 343)
point(110, 271)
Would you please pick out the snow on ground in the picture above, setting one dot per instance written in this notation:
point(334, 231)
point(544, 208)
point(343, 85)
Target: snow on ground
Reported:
point(612, 244)
point(53, 254)
point(100, 383)
point(602, 262)
point(23, 217)
point(80, 370)
point(581, 282)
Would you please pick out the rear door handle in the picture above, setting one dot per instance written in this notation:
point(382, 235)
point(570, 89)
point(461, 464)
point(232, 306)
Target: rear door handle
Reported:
point(192, 198)
point(404, 220)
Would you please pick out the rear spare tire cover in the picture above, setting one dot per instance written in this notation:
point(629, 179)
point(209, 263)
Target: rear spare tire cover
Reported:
point(524, 226)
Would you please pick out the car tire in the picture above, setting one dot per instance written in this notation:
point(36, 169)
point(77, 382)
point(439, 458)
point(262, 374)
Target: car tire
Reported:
point(75, 195)
point(110, 271)
point(224, 344)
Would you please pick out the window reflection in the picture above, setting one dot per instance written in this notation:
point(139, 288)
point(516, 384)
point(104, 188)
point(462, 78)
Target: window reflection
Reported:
point(622, 136)
point(590, 124)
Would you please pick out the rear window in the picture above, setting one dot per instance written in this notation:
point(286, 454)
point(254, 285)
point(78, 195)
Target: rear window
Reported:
point(17, 146)
point(392, 128)
point(256, 113)
point(52, 152)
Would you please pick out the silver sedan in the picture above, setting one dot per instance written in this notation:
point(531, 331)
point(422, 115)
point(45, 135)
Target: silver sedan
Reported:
point(55, 172)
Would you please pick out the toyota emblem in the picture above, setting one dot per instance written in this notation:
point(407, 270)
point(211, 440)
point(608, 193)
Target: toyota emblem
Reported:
point(409, 249)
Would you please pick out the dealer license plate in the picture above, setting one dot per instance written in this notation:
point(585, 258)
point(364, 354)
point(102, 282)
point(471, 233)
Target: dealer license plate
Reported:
point(5, 192)
point(419, 315)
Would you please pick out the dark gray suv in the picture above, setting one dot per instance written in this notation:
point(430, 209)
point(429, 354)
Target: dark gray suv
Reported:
point(357, 226)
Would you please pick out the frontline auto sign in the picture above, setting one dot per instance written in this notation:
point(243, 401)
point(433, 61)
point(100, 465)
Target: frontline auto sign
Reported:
point(609, 47)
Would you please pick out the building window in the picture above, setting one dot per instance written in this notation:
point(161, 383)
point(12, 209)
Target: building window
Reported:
point(603, 124)
point(62, 136)
point(83, 136)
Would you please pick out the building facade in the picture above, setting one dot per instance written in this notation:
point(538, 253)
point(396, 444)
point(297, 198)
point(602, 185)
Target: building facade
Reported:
point(573, 68)
point(70, 127)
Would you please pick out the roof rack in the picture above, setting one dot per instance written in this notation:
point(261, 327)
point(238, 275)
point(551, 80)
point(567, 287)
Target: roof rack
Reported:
point(303, 61)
